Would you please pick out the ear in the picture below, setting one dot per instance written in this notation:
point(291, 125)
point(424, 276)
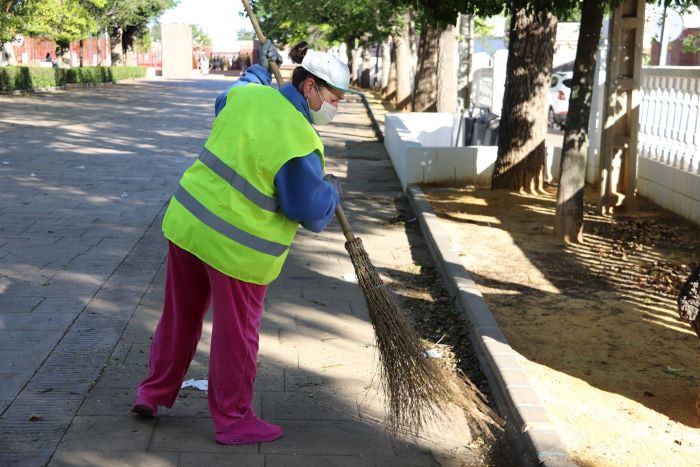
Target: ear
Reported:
point(307, 86)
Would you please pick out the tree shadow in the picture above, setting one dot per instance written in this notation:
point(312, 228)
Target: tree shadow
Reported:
point(604, 311)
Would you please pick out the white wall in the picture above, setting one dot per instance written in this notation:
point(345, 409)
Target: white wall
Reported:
point(421, 151)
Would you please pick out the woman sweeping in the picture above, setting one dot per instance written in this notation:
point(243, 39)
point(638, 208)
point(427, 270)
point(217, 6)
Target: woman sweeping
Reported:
point(229, 226)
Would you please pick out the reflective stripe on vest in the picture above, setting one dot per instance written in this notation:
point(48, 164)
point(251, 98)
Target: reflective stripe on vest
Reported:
point(239, 183)
point(225, 212)
point(224, 228)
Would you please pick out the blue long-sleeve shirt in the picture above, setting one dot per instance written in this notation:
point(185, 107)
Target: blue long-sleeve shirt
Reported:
point(302, 193)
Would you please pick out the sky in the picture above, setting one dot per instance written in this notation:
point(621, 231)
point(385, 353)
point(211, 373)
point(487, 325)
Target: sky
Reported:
point(220, 19)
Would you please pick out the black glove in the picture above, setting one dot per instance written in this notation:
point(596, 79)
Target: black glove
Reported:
point(269, 53)
point(330, 178)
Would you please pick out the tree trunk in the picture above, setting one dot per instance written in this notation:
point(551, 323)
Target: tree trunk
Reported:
point(386, 65)
point(447, 71)
point(521, 140)
point(569, 215)
point(82, 51)
point(413, 47)
point(99, 49)
point(128, 40)
point(366, 65)
point(377, 57)
point(355, 69)
point(425, 96)
point(117, 50)
point(63, 58)
point(464, 79)
point(403, 64)
point(390, 93)
point(9, 50)
point(349, 48)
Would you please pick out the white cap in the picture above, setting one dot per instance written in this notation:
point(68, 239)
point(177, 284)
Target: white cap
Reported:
point(328, 68)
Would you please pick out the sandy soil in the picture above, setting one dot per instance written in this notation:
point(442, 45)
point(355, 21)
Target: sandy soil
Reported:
point(596, 324)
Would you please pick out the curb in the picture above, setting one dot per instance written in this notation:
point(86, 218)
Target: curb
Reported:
point(375, 124)
point(527, 424)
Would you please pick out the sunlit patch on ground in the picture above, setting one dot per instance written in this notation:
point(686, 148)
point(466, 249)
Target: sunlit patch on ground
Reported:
point(596, 323)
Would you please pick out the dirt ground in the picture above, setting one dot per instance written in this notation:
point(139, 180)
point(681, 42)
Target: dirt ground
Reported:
point(596, 324)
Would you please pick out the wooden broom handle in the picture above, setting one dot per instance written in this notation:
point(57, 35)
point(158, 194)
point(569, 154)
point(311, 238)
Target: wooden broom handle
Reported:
point(344, 224)
point(342, 220)
point(261, 37)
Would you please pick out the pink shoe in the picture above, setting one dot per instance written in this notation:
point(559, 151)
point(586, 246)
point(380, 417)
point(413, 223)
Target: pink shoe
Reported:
point(250, 431)
point(144, 409)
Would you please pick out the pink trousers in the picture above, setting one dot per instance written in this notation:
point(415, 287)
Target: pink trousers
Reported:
point(238, 306)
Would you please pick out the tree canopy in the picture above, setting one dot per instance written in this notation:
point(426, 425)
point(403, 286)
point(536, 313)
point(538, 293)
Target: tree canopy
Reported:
point(69, 20)
point(199, 37)
point(63, 21)
point(322, 22)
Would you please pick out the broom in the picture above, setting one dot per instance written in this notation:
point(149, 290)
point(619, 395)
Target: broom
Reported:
point(415, 386)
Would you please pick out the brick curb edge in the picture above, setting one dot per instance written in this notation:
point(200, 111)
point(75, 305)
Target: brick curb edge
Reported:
point(528, 425)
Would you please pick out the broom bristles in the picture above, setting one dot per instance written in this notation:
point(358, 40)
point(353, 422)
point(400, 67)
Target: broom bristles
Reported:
point(416, 387)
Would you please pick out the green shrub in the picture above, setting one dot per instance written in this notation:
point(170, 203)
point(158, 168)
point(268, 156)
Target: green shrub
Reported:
point(23, 78)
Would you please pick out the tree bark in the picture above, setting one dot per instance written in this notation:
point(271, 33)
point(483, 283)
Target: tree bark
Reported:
point(355, 69)
point(447, 71)
point(403, 65)
point(425, 96)
point(523, 127)
point(568, 225)
point(464, 79)
point(9, 50)
point(349, 49)
point(128, 39)
point(377, 57)
point(366, 65)
point(386, 65)
point(390, 93)
point(117, 50)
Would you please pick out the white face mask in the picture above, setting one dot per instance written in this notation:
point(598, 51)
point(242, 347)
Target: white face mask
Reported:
point(325, 114)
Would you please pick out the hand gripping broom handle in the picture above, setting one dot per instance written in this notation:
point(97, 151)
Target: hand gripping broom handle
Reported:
point(342, 220)
point(261, 37)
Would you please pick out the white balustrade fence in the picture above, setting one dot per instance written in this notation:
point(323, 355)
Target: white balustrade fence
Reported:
point(668, 148)
point(669, 127)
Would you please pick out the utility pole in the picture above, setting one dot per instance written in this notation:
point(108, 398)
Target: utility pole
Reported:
point(663, 51)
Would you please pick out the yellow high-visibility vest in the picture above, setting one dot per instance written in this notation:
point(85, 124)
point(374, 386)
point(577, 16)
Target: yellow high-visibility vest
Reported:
point(225, 210)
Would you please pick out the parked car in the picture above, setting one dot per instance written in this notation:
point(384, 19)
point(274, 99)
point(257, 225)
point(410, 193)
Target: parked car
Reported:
point(559, 92)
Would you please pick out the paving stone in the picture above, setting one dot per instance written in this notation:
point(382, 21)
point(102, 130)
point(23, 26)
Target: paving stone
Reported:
point(198, 459)
point(108, 433)
point(127, 458)
point(348, 438)
point(364, 460)
point(268, 378)
point(108, 401)
point(308, 404)
point(10, 304)
point(192, 434)
point(121, 376)
point(37, 321)
point(20, 360)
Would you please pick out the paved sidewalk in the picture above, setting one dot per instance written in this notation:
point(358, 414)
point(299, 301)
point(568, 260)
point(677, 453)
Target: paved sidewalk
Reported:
point(81, 279)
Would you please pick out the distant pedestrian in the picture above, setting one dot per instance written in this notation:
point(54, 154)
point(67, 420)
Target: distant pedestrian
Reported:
point(48, 57)
point(230, 225)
